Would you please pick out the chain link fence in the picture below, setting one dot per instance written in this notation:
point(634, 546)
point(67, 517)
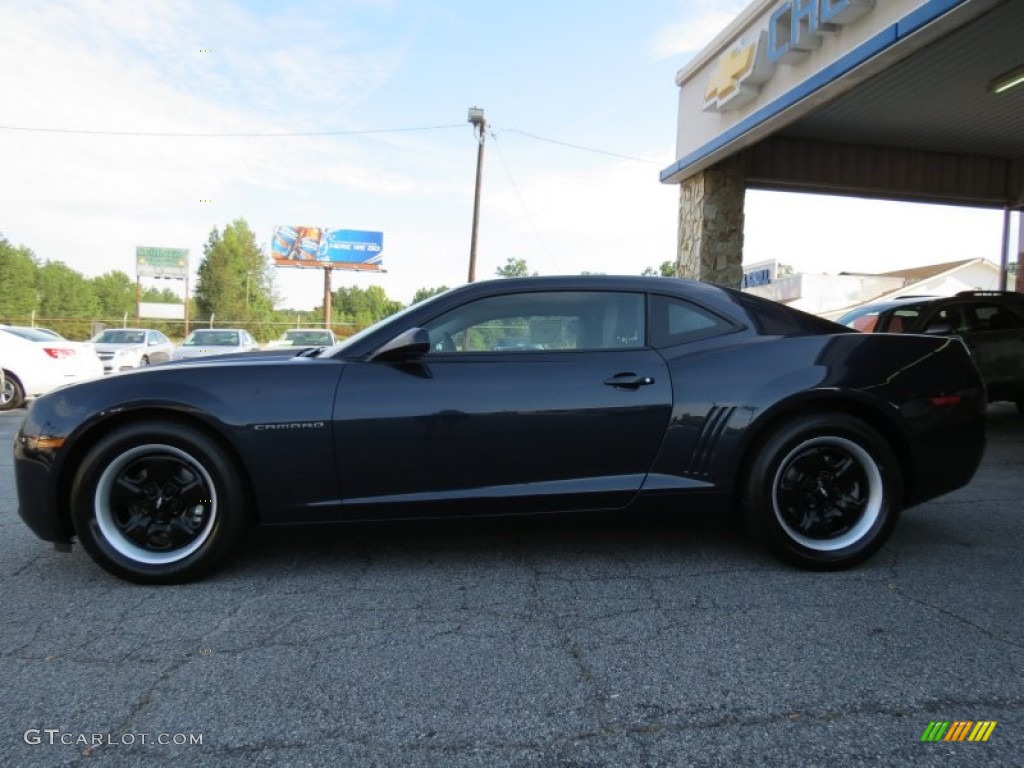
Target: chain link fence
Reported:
point(83, 329)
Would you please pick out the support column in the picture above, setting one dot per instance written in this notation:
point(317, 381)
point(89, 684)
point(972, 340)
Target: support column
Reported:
point(711, 224)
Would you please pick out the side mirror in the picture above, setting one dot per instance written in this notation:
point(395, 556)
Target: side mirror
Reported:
point(407, 345)
point(939, 329)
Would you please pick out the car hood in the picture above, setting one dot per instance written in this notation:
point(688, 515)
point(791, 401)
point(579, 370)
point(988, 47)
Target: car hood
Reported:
point(107, 347)
point(206, 349)
point(238, 357)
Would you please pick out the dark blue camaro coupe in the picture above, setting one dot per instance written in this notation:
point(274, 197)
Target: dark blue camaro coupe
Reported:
point(509, 397)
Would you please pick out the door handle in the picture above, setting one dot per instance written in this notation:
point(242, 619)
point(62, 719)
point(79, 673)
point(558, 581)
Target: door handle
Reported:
point(628, 381)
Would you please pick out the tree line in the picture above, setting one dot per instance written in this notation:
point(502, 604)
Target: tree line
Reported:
point(235, 286)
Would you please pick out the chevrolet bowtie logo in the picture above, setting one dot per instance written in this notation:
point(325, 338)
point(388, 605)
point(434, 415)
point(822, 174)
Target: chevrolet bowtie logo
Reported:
point(729, 71)
point(737, 76)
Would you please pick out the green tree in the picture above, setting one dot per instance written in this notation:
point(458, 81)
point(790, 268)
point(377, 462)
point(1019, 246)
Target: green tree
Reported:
point(362, 306)
point(667, 269)
point(161, 296)
point(234, 276)
point(513, 268)
point(425, 293)
point(18, 270)
point(115, 293)
point(64, 292)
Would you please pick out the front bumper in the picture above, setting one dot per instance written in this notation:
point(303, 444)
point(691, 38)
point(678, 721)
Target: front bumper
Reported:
point(37, 494)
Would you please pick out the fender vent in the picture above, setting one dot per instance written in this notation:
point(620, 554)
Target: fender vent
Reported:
point(715, 424)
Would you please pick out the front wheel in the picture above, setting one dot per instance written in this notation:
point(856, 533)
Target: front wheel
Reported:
point(158, 503)
point(824, 492)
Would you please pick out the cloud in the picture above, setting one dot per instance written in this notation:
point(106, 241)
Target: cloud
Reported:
point(700, 23)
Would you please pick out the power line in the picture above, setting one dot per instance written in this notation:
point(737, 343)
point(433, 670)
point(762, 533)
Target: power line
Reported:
point(282, 134)
point(299, 134)
point(522, 202)
point(580, 147)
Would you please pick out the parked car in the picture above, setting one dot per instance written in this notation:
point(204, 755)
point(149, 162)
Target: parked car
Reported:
point(48, 332)
point(991, 324)
point(666, 389)
point(33, 363)
point(305, 337)
point(865, 317)
point(215, 341)
point(121, 349)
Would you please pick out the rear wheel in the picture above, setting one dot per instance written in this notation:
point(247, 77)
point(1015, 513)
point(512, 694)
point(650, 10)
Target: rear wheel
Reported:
point(823, 492)
point(12, 394)
point(158, 503)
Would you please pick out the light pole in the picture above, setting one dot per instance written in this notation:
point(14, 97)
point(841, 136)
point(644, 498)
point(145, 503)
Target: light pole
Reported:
point(476, 117)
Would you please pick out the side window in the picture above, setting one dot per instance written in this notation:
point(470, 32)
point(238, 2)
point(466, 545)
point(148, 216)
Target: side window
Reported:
point(542, 321)
point(992, 317)
point(954, 316)
point(898, 320)
point(675, 321)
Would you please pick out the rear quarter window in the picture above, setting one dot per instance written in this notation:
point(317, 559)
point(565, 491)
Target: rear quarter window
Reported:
point(676, 321)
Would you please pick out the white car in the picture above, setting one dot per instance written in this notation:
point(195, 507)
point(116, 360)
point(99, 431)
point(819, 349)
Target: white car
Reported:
point(305, 337)
point(215, 341)
point(33, 363)
point(121, 349)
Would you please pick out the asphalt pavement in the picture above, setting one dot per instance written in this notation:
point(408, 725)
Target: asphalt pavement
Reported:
point(663, 641)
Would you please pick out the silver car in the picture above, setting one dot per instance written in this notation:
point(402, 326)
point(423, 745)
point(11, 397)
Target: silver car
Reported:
point(122, 349)
point(215, 341)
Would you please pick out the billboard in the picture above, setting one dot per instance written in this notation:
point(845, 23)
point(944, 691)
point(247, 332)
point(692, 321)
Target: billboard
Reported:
point(161, 262)
point(161, 311)
point(315, 247)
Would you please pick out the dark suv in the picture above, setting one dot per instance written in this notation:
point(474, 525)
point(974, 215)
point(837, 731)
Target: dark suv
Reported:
point(991, 324)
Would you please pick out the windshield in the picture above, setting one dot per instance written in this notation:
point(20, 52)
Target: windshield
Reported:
point(343, 345)
point(31, 334)
point(212, 339)
point(120, 336)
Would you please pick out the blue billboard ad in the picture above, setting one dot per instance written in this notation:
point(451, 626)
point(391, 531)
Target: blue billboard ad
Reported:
point(316, 247)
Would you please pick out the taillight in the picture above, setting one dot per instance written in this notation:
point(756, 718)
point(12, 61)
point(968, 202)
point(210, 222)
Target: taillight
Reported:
point(946, 400)
point(59, 352)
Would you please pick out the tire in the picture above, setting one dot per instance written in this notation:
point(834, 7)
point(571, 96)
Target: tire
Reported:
point(1020, 407)
point(158, 503)
point(12, 394)
point(144, 361)
point(823, 492)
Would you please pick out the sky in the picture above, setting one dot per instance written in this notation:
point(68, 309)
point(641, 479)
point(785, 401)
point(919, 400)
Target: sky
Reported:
point(579, 97)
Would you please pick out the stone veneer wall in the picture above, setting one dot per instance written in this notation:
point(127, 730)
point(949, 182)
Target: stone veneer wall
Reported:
point(711, 224)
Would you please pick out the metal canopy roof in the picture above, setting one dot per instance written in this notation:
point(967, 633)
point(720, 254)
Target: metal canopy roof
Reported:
point(937, 100)
point(931, 114)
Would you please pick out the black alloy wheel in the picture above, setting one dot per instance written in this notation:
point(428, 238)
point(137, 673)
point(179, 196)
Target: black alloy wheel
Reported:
point(158, 503)
point(824, 491)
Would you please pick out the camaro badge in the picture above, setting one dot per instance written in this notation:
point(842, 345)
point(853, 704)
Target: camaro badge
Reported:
point(288, 425)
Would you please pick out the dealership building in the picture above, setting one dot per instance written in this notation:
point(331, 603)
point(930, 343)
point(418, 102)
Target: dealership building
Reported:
point(910, 100)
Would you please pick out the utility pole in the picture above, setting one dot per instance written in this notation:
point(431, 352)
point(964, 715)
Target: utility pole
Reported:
point(327, 298)
point(476, 117)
